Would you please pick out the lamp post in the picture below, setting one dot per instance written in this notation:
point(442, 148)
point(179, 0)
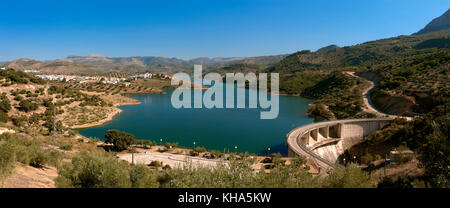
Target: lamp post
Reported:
point(194, 144)
point(235, 149)
point(160, 141)
point(385, 164)
point(268, 151)
point(344, 161)
point(354, 158)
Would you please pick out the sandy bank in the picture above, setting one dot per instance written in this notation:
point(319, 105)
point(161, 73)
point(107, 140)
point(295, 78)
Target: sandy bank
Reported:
point(109, 117)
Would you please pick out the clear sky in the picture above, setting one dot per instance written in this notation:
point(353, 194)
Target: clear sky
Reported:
point(46, 30)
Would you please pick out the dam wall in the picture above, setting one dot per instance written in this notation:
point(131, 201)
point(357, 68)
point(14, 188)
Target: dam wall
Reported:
point(325, 141)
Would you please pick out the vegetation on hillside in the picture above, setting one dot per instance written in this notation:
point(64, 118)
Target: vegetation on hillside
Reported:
point(17, 149)
point(32, 106)
point(338, 96)
point(423, 77)
point(427, 136)
point(10, 76)
point(411, 69)
point(103, 171)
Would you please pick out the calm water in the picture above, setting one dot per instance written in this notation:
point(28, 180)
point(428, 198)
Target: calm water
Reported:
point(220, 129)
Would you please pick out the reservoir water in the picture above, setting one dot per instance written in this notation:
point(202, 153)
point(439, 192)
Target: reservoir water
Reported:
point(219, 129)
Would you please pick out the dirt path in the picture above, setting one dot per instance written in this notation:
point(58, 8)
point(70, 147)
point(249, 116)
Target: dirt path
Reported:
point(368, 105)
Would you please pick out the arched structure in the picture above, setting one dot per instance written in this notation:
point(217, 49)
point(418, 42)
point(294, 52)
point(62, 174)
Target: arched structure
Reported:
point(325, 141)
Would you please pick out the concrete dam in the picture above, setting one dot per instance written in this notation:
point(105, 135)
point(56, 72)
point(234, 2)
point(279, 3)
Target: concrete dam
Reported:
point(323, 142)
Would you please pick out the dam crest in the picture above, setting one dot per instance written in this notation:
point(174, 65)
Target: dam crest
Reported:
point(323, 142)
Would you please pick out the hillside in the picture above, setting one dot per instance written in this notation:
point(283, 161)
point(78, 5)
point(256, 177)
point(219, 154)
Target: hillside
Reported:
point(136, 64)
point(439, 23)
point(411, 70)
point(96, 64)
point(58, 67)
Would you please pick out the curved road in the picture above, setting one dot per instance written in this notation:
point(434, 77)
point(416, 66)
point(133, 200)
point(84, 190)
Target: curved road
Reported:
point(369, 107)
point(293, 137)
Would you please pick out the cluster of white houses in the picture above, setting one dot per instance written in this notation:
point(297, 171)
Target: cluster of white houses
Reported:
point(106, 80)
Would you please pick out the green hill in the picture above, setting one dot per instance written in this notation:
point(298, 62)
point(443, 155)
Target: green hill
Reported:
point(411, 69)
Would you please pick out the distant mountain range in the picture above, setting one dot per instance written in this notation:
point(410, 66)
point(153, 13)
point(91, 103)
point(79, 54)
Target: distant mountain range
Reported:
point(327, 57)
point(98, 64)
point(439, 23)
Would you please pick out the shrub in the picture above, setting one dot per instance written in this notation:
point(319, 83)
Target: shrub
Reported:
point(66, 147)
point(266, 160)
point(216, 153)
point(378, 157)
point(3, 117)
point(119, 139)
point(367, 158)
point(7, 159)
point(5, 104)
point(27, 106)
point(349, 177)
point(18, 98)
point(25, 151)
point(193, 153)
point(155, 163)
point(142, 177)
point(38, 157)
point(170, 145)
point(18, 121)
point(93, 171)
point(199, 149)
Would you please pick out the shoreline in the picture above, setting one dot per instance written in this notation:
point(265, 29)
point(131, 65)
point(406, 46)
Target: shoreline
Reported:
point(108, 118)
point(116, 111)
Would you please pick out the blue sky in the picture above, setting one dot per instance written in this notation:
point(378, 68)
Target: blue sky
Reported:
point(46, 30)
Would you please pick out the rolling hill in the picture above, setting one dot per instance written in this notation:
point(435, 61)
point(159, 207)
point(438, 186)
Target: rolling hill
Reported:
point(96, 64)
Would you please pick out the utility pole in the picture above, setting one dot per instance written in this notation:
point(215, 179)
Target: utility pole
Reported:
point(54, 121)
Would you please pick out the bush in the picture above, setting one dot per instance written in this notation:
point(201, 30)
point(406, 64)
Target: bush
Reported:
point(193, 153)
point(3, 117)
point(87, 171)
point(66, 147)
point(38, 157)
point(142, 177)
point(216, 153)
point(28, 152)
point(170, 145)
point(27, 106)
point(155, 163)
point(349, 177)
point(18, 121)
point(145, 143)
point(199, 149)
point(378, 157)
point(5, 104)
point(91, 171)
point(18, 98)
point(367, 158)
point(7, 159)
point(119, 139)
